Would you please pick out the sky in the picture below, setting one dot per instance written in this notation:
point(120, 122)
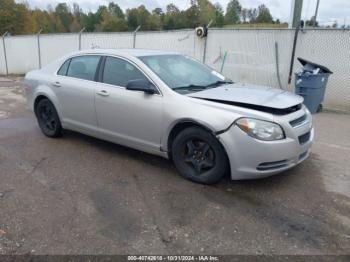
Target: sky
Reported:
point(329, 10)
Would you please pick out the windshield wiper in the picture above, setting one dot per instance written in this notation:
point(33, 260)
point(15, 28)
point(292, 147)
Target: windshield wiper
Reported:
point(217, 83)
point(196, 87)
point(189, 87)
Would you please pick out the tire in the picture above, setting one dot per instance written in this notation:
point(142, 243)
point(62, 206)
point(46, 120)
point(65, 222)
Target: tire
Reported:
point(199, 156)
point(48, 119)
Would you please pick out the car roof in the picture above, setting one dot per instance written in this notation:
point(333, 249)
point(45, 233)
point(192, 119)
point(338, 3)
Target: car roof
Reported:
point(126, 51)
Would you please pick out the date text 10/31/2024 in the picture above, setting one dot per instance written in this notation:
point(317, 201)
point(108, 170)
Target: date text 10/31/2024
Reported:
point(173, 258)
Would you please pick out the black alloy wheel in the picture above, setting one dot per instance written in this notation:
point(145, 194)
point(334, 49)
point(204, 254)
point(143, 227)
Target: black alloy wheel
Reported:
point(48, 119)
point(199, 156)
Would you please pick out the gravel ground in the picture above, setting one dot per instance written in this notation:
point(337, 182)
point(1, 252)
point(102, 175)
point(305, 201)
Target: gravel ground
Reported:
point(81, 195)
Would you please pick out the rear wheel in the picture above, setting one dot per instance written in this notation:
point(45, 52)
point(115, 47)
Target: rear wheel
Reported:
point(199, 156)
point(48, 119)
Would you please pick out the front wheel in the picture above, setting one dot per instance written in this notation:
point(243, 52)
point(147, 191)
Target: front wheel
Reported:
point(199, 156)
point(48, 119)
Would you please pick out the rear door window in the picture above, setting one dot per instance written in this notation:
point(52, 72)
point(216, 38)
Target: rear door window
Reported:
point(64, 68)
point(119, 72)
point(83, 67)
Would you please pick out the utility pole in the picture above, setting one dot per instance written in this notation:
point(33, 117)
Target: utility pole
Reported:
point(316, 11)
point(295, 13)
point(134, 39)
point(205, 41)
point(38, 42)
point(80, 32)
point(4, 47)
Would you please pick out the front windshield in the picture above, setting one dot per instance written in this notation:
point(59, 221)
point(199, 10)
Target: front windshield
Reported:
point(182, 73)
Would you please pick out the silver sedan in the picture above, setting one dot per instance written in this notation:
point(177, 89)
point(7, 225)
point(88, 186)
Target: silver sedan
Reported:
point(171, 105)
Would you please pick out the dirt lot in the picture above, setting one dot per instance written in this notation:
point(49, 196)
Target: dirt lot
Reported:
point(80, 195)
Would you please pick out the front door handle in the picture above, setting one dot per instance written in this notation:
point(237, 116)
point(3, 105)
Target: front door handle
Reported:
point(102, 93)
point(56, 84)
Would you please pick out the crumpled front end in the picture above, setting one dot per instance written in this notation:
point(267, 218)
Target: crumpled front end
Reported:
point(251, 158)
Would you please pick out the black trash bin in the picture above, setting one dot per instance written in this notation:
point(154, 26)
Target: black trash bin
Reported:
point(311, 84)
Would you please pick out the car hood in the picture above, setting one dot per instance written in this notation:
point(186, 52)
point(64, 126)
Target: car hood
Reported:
point(250, 95)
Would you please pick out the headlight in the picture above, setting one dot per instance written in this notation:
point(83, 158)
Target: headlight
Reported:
point(260, 129)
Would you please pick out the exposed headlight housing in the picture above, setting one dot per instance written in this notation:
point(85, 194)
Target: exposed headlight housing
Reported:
point(260, 129)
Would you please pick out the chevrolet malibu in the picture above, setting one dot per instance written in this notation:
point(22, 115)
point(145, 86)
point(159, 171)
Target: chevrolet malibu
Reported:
point(171, 105)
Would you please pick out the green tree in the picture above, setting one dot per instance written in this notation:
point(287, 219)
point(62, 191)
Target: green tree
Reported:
point(100, 10)
point(169, 22)
point(56, 23)
point(113, 24)
point(264, 15)
point(219, 15)
point(311, 22)
point(157, 19)
point(206, 12)
point(63, 13)
point(192, 15)
point(138, 16)
point(89, 21)
point(158, 11)
point(154, 23)
point(24, 23)
point(42, 21)
point(171, 17)
point(77, 11)
point(244, 15)
point(78, 15)
point(15, 18)
point(131, 15)
point(115, 10)
point(172, 9)
point(233, 12)
point(75, 25)
point(252, 14)
point(111, 19)
point(7, 16)
point(143, 17)
point(18, 18)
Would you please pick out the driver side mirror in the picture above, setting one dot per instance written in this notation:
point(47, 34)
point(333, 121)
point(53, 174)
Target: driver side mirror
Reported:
point(141, 85)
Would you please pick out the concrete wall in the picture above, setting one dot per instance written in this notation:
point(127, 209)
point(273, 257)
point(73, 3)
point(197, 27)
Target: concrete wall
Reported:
point(21, 53)
point(250, 53)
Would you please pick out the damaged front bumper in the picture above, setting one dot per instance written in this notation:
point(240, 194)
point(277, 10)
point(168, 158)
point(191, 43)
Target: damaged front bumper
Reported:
point(252, 158)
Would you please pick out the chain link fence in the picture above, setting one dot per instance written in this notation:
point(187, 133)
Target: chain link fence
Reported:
point(332, 49)
point(255, 56)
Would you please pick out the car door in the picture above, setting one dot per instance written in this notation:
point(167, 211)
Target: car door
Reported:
point(75, 89)
point(131, 118)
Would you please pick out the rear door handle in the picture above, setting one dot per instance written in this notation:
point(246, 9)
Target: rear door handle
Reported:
point(102, 93)
point(56, 84)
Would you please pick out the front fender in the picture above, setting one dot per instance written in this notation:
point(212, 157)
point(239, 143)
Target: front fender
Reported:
point(210, 118)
